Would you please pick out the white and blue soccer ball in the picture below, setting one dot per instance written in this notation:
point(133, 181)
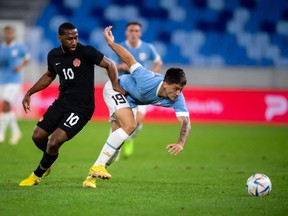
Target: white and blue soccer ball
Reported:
point(258, 185)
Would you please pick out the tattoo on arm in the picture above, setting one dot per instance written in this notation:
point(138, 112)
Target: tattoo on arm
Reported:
point(185, 129)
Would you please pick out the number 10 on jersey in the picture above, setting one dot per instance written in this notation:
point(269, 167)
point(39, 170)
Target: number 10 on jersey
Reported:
point(68, 74)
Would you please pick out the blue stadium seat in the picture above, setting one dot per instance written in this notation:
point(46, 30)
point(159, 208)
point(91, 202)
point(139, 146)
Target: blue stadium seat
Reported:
point(220, 22)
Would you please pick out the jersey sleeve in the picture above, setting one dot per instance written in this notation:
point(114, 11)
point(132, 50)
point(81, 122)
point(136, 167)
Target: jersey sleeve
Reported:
point(50, 63)
point(180, 106)
point(93, 55)
point(154, 55)
point(24, 54)
point(142, 77)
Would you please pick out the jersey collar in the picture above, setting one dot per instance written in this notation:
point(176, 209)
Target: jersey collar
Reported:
point(10, 45)
point(158, 89)
point(137, 46)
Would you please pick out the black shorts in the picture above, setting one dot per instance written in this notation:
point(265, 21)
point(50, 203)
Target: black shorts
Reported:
point(66, 118)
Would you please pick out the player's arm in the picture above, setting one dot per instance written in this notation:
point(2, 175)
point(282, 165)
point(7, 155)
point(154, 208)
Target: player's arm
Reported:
point(41, 84)
point(176, 148)
point(122, 67)
point(112, 74)
point(123, 54)
point(22, 65)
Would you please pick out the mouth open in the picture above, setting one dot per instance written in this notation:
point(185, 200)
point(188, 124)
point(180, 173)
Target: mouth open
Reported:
point(72, 49)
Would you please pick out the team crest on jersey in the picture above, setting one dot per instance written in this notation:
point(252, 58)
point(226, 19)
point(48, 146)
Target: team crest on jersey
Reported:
point(14, 52)
point(76, 62)
point(142, 56)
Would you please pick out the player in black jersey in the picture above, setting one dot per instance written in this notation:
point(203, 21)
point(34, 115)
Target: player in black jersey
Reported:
point(74, 64)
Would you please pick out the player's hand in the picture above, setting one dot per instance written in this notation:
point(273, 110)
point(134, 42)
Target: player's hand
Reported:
point(175, 149)
point(26, 103)
point(108, 35)
point(18, 68)
point(120, 90)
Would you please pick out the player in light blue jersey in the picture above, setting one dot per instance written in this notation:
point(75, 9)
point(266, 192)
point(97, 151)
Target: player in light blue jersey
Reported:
point(13, 58)
point(147, 56)
point(142, 87)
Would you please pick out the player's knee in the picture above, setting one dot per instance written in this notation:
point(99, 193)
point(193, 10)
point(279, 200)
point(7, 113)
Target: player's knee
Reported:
point(37, 137)
point(53, 145)
point(130, 128)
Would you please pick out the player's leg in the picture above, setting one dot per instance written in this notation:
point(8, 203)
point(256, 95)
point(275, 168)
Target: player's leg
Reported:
point(49, 157)
point(10, 94)
point(123, 123)
point(124, 118)
point(4, 121)
point(57, 138)
point(128, 147)
point(69, 124)
point(35, 177)
point(116, 156)
point(120, 112)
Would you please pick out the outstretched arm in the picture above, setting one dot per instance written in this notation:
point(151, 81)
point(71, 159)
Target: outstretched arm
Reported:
point(184, 133)
point(123, 54)
point(41, 84)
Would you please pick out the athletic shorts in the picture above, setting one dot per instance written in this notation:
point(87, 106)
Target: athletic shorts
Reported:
point(9, 92)
point(114, 100)
point(142, 109)
point(61, 116)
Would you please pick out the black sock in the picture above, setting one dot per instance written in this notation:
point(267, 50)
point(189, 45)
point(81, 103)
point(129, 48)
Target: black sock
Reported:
point(42, 146)
point(46, 162)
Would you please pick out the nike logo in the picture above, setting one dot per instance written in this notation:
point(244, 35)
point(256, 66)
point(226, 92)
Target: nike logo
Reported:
point(65, 124)
point(58, 63)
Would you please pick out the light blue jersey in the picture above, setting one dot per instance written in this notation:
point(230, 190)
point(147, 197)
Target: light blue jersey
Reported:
point(144, 53)
point(10, 57)
point(143, 86)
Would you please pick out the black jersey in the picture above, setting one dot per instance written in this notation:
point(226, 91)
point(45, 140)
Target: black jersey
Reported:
point(76, 75)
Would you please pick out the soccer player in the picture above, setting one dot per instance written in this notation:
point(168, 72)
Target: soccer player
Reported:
point(74, 65)
point(13, 58)
point(142, 87)
point(147, 56)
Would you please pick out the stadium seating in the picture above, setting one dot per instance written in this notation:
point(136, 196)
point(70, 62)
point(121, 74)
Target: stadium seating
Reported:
point(210, 33)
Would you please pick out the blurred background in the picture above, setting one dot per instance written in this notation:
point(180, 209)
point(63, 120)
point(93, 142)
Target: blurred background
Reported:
point(220, 43)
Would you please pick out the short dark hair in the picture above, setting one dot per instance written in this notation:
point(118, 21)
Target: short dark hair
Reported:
point(175, 75)
point(8, 27)
point(65, 26)
point(133, 23)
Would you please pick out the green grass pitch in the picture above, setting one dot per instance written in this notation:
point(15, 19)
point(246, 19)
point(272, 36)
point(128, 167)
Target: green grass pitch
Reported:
point(207, 178)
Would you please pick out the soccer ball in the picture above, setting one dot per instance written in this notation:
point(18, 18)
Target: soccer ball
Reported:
point(258, 185)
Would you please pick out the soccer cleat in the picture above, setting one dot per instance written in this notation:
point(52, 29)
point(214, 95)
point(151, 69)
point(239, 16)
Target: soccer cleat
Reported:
point(90, 182)
point(99, 172)
point(30, 181)
point(128, 148)
point(15, 138)
point(47, 172)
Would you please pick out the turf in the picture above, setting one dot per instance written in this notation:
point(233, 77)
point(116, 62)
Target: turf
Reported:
point(207, 178)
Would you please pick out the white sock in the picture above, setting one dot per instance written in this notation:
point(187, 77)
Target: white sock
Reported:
point(112, 144)
point(13, 123)
point(4, 122)
point(113, 158)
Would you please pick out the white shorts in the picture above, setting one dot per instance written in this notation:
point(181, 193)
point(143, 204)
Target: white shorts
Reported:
point(9, 92)
point(114, 100)
point(142, 109)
